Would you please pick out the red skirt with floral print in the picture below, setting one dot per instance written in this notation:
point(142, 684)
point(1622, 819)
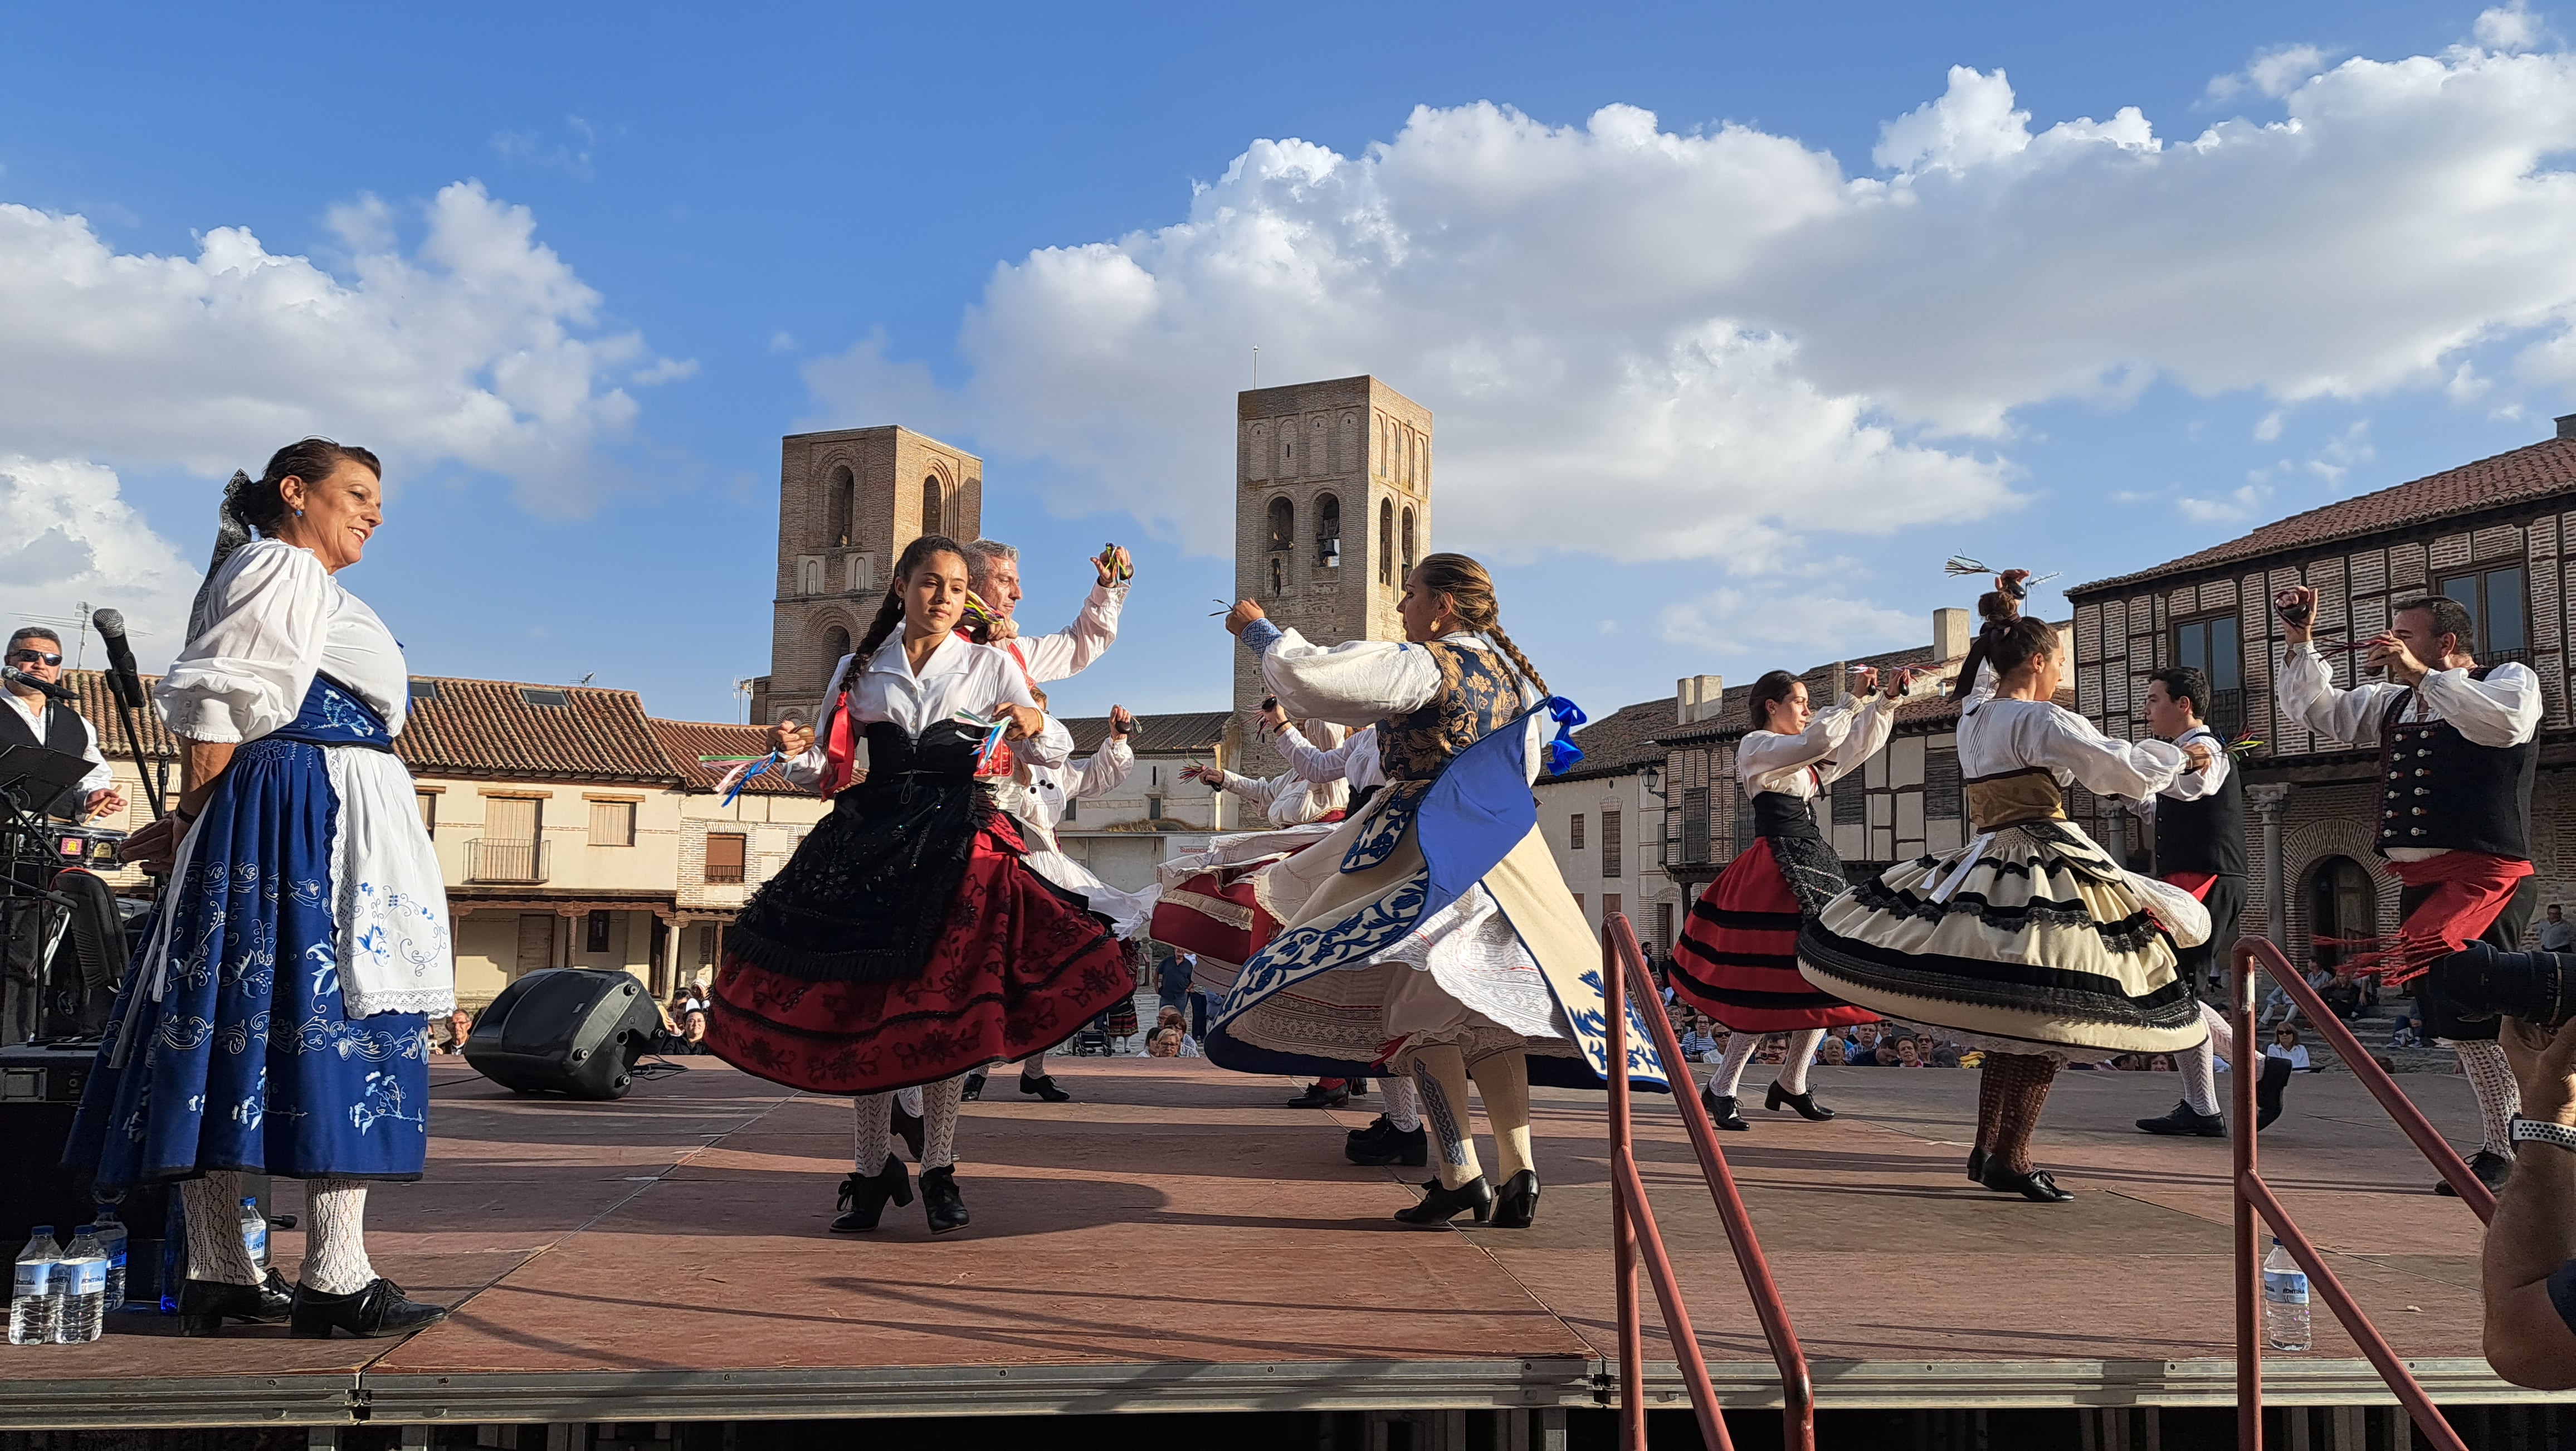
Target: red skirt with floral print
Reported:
point(1017, 969)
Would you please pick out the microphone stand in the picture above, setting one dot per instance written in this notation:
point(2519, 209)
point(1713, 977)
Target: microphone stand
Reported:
point(154, 775)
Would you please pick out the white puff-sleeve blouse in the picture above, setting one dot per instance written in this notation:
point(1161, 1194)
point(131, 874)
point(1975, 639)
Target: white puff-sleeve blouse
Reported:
point(275, 618)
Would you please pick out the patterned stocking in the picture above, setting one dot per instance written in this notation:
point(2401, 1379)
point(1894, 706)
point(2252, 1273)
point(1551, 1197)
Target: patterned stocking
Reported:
point(1990, 1097)
point(1440, 1074)
point(909, 1099)
point(1802, 1056)
point(335, 1239)
point(2499, 1097)
point(2020, 1096)
point(1502, 1081)
point(1403, 1104)
point(212, 1206)
point(2199, 1062)
point(1730, 1071)
point(939, 1122)
point(871, 1132)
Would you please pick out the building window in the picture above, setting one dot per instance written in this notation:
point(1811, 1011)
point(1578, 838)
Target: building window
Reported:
point(612, 823)
point(724, 856)
point(595, 933)
point(931, 515)
point(809, 575)
point(1941, 789)
point(1283, 526)
point(2497, 608)
point(1328, 532)
point(2212, 647)
point(1610, 846)
point(1574, 832)
point(1153, 808)
point(1408, 541)
point(1663, 926)
point(1072, 808)
point(1578, 901)
point(1386, 541)
point(836, 643)
point(428, 810)
point(1695, 824)
point(839, 498)
point(1851, 806)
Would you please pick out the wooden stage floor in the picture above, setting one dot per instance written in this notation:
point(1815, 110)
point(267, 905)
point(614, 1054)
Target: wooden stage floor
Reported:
point(1175, 1239)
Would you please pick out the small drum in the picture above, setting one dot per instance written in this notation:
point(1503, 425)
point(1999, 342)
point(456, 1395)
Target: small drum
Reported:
point(95, 847)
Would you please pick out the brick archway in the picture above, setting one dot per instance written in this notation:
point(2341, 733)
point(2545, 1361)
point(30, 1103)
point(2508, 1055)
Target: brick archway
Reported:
point(2307, 845)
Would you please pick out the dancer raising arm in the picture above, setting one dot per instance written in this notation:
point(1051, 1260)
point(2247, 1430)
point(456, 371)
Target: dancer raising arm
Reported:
point(907, 942)
point(1435, 919)
point(2029, 941)
point(1738, 957)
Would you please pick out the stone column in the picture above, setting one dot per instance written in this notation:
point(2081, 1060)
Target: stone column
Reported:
point(2268, 799)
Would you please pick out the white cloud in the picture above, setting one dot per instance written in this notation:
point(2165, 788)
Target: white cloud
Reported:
point(480, 347)
point(1739, 343)
point(2334, 462)
point(2269, 428)
point(2235, 507)
point(2275, 72)
point(2511, 27)
point(1738, 620)
point(73, 538)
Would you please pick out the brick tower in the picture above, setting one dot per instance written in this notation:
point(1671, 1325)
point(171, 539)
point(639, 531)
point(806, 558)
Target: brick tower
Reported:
point(848, 502)
point(1332, 506)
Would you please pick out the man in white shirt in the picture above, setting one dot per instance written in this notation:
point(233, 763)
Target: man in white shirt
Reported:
point(2457, 754)
point(38, 720)
point(2557, 934)
point(993, 573)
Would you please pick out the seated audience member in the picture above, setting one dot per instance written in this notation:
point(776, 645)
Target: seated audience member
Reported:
point(459, 1024)
point(1945, 1055)
point(2528, 1264)
point(2404, 1034)
point(1862, 1049)
point(1697, 1043)
point(2285, 1045)
point(1775, 1049)
point(2276, 1003)
point(1907, 1054)
point(2161, 1063)
point(2342, 994)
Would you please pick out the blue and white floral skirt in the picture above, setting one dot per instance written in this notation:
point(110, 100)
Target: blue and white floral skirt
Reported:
point(248, 1059)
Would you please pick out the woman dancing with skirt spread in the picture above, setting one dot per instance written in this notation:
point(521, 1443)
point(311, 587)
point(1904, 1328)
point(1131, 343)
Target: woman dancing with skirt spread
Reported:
point(1738, 957)
point(1431, 929)
point(274, 1021)
point(2029, 941)
point(907, 942)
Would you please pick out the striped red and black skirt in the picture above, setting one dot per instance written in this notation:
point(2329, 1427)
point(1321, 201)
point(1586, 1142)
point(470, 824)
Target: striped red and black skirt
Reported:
point(1738, 957)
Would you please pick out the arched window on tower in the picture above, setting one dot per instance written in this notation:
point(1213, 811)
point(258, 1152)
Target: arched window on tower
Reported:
point(1283, 526)
point(836, 643)
point(931, 519)
point(1386, 541)
point(1328, 532)
point(840, 501)
point(1408, 541)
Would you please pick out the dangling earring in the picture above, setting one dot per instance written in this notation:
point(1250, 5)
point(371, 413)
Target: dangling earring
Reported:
point(299, 513)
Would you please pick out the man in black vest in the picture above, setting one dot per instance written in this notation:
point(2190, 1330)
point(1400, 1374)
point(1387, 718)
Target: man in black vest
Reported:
point(2200, 847)
point(33, 719)
point(2456, 756)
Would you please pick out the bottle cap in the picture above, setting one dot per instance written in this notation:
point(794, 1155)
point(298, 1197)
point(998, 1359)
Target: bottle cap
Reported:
point(43, 1229)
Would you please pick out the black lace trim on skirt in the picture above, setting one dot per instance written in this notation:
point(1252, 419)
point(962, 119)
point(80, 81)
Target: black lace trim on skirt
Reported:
point(870, 889)
point(2016, 987)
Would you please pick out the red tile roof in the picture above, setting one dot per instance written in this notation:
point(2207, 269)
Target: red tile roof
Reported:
point(686, 740)
point(498, 728)
point(2524, 475)
point(1198, 732)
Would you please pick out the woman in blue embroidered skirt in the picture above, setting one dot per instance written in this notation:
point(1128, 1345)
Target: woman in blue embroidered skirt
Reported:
point(1431, 931)
point(274, 1021)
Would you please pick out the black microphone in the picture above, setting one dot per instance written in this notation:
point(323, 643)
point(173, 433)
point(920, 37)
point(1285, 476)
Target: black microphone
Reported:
point(16, 676)
point(121, 677)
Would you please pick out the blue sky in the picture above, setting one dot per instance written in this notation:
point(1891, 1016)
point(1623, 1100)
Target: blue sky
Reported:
point(1718, 390)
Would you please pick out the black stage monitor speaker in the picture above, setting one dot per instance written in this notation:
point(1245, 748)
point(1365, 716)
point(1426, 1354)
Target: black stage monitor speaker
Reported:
point(574, 1030)
point(40, 1089)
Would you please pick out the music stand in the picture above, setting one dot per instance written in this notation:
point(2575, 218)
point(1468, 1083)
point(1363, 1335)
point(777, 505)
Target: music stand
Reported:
point(23, 766)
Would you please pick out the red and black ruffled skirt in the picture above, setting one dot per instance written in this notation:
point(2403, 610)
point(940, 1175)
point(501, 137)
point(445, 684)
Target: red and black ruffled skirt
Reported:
point(906, 942)
point(1738, 957)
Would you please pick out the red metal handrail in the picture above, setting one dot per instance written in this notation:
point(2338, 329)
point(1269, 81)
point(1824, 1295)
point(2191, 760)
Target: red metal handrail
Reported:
point(1633, 1231)
point(2252, 1195)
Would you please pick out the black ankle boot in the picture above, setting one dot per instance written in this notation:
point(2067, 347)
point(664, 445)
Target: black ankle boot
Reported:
point(1439, 1206)
point(973, 1092)
point(1044, 1087)
point(204, 1305)
point(1517, 1202)
point(373, 1313)
point(1805, 1103)
point(939, 1197)
point(1722, 1111)
point(863, 1201)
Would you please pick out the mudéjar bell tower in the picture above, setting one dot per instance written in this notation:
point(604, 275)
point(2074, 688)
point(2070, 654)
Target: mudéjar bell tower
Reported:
point(1332, 506)
point(848, 502)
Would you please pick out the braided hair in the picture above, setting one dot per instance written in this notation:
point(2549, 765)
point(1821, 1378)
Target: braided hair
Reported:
point(1471, 596)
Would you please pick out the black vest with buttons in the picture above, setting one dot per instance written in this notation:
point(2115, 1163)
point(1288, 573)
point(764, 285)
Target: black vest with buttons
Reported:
point(64, 732)
point(2440, 789)
point(2207, 835)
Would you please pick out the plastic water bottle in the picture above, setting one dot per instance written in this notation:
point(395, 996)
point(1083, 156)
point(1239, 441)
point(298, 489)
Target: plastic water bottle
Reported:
point(34, 1295)
point(254, 1232)
point(80, 1311)
point(110, 1234)
point(2285, 1301)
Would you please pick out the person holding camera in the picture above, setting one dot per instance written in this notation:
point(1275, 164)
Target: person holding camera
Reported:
point(2457, 752)
point(2527, 1266)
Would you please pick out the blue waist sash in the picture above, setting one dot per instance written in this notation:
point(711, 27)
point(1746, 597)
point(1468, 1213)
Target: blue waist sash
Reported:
point(335, 715)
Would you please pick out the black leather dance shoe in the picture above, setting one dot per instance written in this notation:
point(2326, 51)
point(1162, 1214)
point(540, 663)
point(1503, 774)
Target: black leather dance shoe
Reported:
point(1977, 1163)
point(1439, 1206)
point(1043, 1086)
point(373, 1313)
point(1517, 1204)
point(863, 1201)
point(2267, 1091)
point(1723, 1112)
point(1318, 1096)
point(973, 1092)
point(2035, 1186)
point(1805, 1103)
point(1384, 1143)
point(204, 1305)
point(1376, 1126)
point(940, 1199)
point(907, 1127)
point(2492, 1170)
point(2185, 1120)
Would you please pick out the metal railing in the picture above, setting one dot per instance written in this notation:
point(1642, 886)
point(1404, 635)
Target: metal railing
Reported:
point(521, 863)
point(2254, 1196)
point(1633, 1231)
